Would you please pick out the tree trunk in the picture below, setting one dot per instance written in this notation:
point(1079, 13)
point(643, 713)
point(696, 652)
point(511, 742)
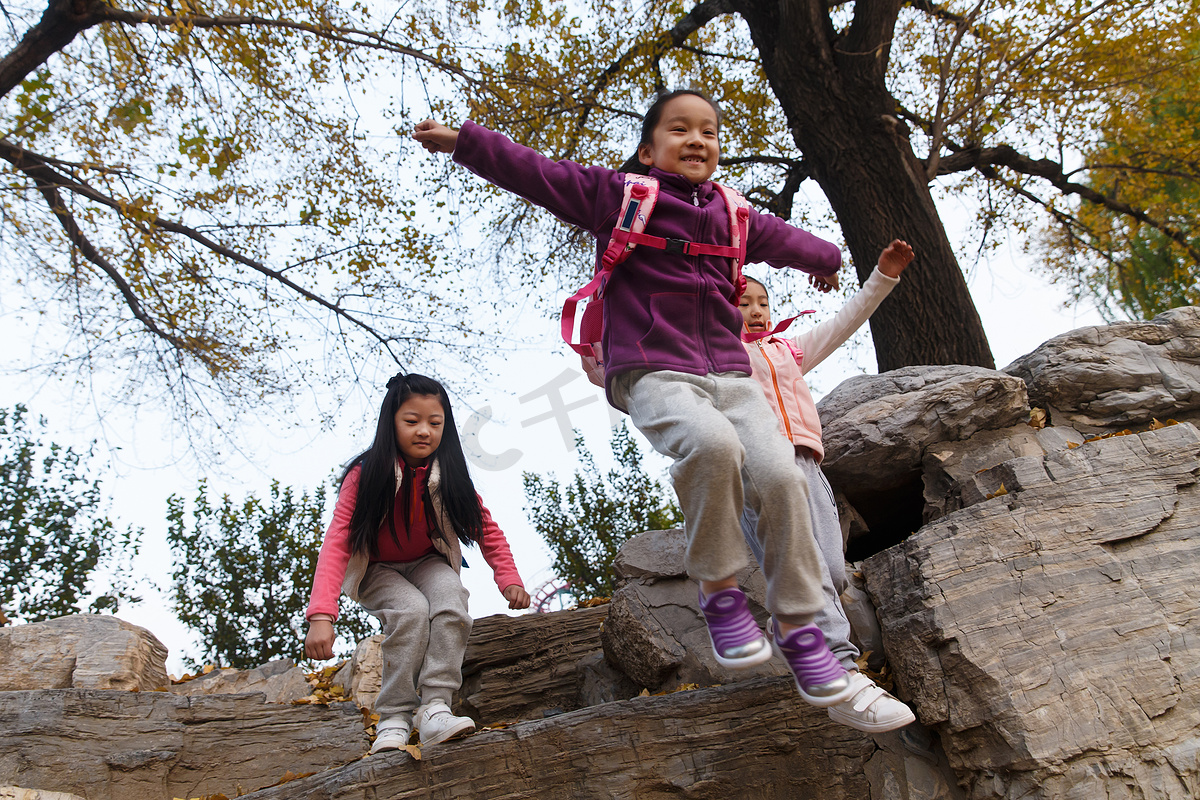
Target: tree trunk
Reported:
point(842, 118)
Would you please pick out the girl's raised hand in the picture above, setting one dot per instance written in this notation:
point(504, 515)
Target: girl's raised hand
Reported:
point(824, 284)
point(318, 644)
point(435, 137)
point(895, 258)
point(516, 596)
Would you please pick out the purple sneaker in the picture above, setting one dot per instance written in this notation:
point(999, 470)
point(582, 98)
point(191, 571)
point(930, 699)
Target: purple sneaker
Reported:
point(820, 677)
point(738, 642)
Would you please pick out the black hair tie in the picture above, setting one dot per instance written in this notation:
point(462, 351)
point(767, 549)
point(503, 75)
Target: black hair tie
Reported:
point(396, 379)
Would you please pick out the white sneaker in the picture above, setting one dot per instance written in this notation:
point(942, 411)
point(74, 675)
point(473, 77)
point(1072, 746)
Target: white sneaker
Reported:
point(870, 708)
point(391, 734)
point(436, 724)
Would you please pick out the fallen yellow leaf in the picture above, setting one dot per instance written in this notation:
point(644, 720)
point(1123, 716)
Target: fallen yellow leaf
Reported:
point(290, 776)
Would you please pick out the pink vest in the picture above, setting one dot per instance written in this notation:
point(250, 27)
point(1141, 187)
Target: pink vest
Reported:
point(778, 371)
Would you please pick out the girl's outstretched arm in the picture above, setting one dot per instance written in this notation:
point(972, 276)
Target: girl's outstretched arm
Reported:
point(435, 137)
point(819, 341)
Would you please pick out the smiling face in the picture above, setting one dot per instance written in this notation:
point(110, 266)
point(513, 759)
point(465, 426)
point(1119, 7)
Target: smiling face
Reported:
point(755, 307)
point(419, 425)
point(685, 139)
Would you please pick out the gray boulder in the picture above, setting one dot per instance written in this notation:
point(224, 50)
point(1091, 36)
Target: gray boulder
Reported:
point(876, 428)
point(120, 745)
point(17, 793)
point(1048, 633)
point(279, 681)
point(1112, 376)
point(81, 651)
point(655, 633)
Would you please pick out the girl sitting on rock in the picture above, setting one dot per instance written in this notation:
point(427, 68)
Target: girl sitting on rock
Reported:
point(404, 507)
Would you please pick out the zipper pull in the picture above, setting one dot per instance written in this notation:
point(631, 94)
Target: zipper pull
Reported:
point(696, 196)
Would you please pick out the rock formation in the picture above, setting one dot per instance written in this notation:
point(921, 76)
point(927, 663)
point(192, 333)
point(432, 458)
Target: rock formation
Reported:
point(1025, 544)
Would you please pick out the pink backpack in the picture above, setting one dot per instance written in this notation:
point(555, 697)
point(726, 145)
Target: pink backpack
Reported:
point(640, 197)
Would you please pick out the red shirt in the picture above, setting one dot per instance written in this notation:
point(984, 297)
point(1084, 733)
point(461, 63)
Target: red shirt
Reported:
point(336, 551)
point(412, 540)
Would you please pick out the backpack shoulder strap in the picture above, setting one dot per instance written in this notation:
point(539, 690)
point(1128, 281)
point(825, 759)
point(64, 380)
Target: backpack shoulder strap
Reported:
point(739, 229)
point(637, 203)
point(796, 352)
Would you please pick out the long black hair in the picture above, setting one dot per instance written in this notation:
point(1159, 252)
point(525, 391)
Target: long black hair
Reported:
point(650, 122)
point(375, 504)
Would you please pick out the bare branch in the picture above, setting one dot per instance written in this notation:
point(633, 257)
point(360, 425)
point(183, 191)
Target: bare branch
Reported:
point(1007, 67)
point(47, 182)
point(50, 181)
point(700, 15)
point(983, 159)
point(61, 22)
point(334, 33)
point(936, 11)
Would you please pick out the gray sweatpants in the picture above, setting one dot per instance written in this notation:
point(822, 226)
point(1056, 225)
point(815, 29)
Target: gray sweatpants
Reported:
point(727, 453)
point(827, 531)
point(423, 607)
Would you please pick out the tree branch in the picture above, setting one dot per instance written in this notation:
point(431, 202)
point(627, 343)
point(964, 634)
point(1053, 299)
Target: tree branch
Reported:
point(49, 181)
point(1006, 156)
point(334, 33)
point(61, 22)
point(654, 48)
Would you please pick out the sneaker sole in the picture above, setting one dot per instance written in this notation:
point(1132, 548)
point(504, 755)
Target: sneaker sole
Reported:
point(826, 702)
point(462, 729)
point(746, 662)
point(871, 727)
point(380, 748)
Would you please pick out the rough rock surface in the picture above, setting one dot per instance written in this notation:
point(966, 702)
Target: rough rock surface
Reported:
point(875, 428)
point(655, 632)
point(1052, 633)
point(279, 681)
point(524, 667)
point(360, 675)
point(119, 745)
point(1113, 376)
point(81, 651)
point(17, 793)
point(950, 469)
point(752, 741)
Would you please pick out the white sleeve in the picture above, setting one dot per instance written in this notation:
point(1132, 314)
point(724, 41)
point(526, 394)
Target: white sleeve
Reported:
point(822, 339)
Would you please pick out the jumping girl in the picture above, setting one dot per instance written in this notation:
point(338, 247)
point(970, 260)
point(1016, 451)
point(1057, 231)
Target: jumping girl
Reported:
point(405, 506)
point(674, 360)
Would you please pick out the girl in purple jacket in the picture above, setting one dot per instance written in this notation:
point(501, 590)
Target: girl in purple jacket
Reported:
point(674, 361)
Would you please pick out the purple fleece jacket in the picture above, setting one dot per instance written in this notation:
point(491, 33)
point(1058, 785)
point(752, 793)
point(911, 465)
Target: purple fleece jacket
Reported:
point(662, 311)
